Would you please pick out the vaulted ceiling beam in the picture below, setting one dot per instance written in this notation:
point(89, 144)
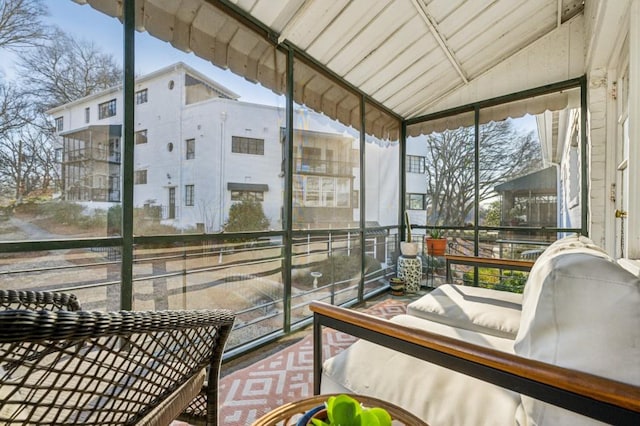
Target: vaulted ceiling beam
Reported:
point(433, 27)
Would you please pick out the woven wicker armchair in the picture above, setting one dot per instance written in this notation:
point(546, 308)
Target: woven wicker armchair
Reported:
point(62, 365)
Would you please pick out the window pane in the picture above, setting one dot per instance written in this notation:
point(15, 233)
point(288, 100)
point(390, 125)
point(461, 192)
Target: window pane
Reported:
point(326, 174)
point(60, 166)
point(448, 180)
point(93, 273)
point(326, 154)
point(246, 279)
point(141, 137)
point(530, 172)
point(382, 183)
point(214, 151)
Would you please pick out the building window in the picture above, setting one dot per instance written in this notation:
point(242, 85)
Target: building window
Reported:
point(87, 114)
point(59, 124)
point(107, 109)
point(415, 164)
point(141, 97)
point(237, 195)
point(141, 136)
point(416, 201)
point(140, 177)
point(316, 191)
point(191, 149)
point(244, 145)
point(188, 195)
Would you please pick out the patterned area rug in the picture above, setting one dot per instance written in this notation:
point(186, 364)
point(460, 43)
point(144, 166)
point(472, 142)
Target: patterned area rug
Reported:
point(285, 376)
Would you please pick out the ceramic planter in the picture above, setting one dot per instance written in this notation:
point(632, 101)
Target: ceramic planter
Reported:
point(436, 246)
point(409, 249)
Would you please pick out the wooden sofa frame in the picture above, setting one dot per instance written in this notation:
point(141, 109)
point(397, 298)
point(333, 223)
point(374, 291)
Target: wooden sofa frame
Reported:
point(593, 396)
point(62, 365)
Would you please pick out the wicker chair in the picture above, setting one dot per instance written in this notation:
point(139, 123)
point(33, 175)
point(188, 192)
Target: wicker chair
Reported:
point(62, 365)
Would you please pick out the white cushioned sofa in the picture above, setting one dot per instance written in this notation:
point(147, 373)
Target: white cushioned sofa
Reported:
point(580, 310)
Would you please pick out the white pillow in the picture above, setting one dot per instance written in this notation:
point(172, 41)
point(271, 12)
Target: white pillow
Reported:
point(473, 308)
point(580, 310)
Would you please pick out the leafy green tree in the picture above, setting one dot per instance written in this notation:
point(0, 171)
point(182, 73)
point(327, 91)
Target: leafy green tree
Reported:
point(245, 216)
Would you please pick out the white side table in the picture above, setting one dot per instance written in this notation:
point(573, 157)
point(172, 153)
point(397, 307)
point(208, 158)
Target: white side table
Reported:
point(410, 270)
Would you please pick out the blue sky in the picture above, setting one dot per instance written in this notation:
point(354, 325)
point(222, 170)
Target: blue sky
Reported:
point(84, 22)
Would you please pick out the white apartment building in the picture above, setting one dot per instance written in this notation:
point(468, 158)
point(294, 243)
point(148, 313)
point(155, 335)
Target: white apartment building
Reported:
point(198, 149)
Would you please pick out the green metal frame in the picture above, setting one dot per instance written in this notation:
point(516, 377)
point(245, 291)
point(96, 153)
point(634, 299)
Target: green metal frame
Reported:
point(128, 241)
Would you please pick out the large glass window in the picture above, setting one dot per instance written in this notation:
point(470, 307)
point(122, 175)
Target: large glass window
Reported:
point(326, 175)
point(520, 176)
point(203, 120)
point(55, 166)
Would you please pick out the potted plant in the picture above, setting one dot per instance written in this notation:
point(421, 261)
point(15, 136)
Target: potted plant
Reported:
point(435, 242)
point(345, 410)
point(408, 248)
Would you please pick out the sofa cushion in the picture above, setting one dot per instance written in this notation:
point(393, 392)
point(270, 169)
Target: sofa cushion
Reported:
point(580, 310)
point(437, 395)
point(473, 308)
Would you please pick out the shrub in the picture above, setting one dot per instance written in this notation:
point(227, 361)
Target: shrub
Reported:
point(246, 216)
point(512, 281)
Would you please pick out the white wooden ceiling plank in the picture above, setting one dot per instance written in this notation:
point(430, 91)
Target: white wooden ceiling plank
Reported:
point(344, 28)
point(269, 12)
point(441, 9)
point(426, 95)
point(397, 70)
point(428, 67)
point(395, 46)
point(464, 16)
point(312, 21)
point(372, 37)
point(479, 54)
point(494, 20)
point(439, 73)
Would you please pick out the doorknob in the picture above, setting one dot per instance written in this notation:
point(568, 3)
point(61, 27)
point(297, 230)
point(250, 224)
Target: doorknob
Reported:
point(621, 213)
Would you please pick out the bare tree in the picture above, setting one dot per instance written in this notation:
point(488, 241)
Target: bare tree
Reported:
point(450, 174)
point(20, 23)
point(14, 108)
point(26, 162)
point(66, 69)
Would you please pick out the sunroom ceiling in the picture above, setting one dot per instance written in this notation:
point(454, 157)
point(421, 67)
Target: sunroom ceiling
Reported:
point(408, 55)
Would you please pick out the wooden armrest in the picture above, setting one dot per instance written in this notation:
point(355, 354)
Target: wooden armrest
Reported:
point(594, 396)
point(511, 264)
point(489, 261)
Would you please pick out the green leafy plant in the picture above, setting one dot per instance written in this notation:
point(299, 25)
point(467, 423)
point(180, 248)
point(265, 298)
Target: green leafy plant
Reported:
point(408, 223)
point(512, 281)
point(436, 233)
point(344, 410)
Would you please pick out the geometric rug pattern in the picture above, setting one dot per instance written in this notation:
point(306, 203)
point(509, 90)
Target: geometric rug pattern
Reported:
point(285, 376)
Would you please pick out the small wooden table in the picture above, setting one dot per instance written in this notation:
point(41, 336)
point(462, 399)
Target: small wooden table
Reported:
point(288, 414)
